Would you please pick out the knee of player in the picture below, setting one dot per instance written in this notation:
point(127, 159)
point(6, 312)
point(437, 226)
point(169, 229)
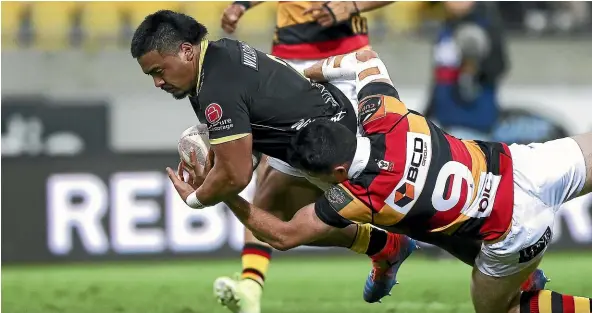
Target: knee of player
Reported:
point(366, 55)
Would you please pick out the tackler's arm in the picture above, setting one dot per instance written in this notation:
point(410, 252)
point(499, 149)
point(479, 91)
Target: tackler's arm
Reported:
point(305, 227)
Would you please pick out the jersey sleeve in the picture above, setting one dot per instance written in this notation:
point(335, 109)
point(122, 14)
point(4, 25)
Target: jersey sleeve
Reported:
point(339, 208)
point(226, 113)
point(379, 107)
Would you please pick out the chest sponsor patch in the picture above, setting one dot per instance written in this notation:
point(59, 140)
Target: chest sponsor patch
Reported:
point(249, 56)
point(371, 108)
point(417, 164)
point(213, 113)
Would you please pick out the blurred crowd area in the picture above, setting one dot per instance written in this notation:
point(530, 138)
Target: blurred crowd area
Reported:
point(104, 25)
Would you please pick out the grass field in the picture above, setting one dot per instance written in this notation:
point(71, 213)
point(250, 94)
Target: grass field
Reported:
point(329, 284)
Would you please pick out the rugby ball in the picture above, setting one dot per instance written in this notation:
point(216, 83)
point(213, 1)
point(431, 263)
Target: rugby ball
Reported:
point(195, 137)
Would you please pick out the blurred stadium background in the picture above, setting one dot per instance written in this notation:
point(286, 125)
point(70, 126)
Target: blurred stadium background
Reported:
point(90, 223)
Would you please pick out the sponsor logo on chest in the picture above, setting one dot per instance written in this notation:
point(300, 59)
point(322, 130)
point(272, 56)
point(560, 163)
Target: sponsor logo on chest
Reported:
point(417, 164)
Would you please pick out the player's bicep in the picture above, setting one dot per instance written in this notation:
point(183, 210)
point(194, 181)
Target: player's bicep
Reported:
point(234, 158)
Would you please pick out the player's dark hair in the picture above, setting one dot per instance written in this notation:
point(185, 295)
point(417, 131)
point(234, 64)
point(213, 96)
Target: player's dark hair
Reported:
point(165, 31)
point(322, 145)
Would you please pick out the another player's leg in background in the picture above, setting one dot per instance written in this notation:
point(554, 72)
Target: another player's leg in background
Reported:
point(500, 295)
point(255, 259)
point(283, 195)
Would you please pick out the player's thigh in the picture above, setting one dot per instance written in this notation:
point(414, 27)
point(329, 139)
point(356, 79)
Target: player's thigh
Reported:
point(503, 265)
point(498, 294)
point(554, 171)
point(281, 189)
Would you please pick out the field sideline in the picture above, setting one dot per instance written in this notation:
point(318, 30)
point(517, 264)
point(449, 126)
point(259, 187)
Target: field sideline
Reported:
point(311, 285)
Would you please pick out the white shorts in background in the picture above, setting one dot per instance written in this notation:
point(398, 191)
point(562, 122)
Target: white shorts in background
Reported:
point(545, 176)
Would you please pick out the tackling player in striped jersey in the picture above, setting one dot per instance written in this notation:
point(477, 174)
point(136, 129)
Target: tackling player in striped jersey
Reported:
point(474, 190)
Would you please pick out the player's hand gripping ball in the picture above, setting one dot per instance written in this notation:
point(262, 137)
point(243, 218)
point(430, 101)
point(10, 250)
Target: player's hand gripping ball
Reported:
point(197, 137)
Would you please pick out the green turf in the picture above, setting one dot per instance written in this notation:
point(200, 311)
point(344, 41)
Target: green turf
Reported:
point(307, 285)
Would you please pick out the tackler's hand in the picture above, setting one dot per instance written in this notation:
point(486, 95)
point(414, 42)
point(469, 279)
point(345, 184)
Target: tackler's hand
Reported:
point(231, 16)
point(331, 13)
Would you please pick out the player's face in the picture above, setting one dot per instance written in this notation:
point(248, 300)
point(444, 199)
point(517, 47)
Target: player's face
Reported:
point(173, 73)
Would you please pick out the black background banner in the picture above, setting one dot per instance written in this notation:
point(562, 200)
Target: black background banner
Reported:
point(113, 207)
point(116, 207)
point(36, 126)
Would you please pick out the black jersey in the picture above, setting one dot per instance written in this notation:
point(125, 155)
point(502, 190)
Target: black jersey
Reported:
point(244, 91)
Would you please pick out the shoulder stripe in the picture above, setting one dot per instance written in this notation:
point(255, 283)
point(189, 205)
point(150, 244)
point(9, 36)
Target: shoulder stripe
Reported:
point(418, 124)
point(393, 105)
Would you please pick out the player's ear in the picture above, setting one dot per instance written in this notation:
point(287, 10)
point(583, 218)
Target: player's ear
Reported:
point(187, 51)
point(340, 173)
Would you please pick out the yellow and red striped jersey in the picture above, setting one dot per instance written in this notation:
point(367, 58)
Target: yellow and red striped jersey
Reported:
point(417, 177)
point(299, 36)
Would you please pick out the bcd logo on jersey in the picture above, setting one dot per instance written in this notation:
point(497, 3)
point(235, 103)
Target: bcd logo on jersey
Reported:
point(213, 113)
point(406, 193)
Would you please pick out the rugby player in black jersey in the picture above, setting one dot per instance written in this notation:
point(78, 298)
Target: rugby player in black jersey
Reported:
point(305, 32)
point(252, 101)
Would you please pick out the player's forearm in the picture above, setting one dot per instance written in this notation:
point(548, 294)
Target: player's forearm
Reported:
point(366, 6)
point(219, 185)
point(363, 67)
point(264, 225)
point(340, 67)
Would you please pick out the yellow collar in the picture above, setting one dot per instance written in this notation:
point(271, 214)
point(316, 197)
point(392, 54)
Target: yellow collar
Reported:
point(203, 46)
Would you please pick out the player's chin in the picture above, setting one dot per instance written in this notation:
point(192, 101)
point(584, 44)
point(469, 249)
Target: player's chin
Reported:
point(179, 94)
